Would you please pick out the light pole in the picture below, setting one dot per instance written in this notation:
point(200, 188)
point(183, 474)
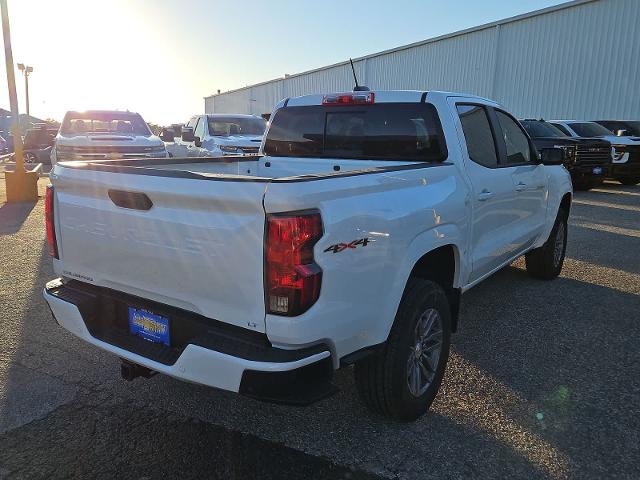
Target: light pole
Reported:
point(26, 71)
point(22, 186)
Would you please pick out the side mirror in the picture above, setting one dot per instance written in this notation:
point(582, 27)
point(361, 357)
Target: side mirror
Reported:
point(552, 156)
point(621, 133)
point(167, 136)
point(197, 142)
point(187, 135)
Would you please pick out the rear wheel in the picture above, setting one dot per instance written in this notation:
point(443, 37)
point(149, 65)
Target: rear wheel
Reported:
point(546, 262)
point(629, 180)
point(402, 380)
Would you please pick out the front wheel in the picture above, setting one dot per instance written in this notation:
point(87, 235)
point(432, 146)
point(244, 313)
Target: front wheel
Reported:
point(546, 262)
point(629, 181)
point(402, 380)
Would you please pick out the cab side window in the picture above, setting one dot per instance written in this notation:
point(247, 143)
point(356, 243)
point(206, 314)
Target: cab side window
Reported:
point(477, 132)
point(517, 148)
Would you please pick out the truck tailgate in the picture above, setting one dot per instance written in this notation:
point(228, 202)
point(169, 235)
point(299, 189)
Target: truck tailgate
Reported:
point(198, 247)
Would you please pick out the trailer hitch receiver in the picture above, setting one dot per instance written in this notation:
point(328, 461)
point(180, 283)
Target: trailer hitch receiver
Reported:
point(130, 371)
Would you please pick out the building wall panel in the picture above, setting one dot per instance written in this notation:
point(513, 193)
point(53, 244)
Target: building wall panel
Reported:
point(581, 60)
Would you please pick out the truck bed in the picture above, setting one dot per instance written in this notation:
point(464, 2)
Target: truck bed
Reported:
point(154, 229)
point(244, 168)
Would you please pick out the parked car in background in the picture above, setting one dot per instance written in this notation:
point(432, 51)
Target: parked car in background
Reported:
point(625, 165)
point(37, 143)
point(587, 159)
point(222, 134)
point(171, 137)
point(105, 134)
point(8, 138)
point(629, 128)
point(349, 242)
point(4, 146)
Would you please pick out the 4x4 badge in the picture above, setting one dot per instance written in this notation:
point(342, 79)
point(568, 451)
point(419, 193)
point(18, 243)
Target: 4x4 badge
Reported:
point(340, 247)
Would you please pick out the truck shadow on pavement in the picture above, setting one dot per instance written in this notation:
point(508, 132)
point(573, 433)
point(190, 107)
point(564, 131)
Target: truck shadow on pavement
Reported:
point(567, 350)
point(65, 413)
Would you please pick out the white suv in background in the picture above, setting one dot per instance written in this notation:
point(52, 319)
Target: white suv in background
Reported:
point(221, 134)
point(625, 166)
point(103, 135)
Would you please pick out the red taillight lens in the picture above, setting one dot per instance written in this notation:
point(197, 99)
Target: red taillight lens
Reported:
point(292, 278)
point(51, 229)
point(358, 98)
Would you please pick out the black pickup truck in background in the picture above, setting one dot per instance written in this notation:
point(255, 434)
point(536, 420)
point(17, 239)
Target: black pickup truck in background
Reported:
point(588, 160)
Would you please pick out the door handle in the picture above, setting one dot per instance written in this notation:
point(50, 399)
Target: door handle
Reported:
point(484, 195)
point(521, 186)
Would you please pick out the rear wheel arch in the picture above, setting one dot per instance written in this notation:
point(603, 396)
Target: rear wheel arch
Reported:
point(442, 266)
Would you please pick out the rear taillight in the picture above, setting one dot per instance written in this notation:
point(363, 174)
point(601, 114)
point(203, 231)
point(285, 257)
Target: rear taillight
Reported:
point(51, 229)
point(292, 278)
point(356, 98)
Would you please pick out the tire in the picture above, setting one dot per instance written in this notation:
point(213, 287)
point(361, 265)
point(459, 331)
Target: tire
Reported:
point(629, 181)
point(382, 379)
point(546, 262)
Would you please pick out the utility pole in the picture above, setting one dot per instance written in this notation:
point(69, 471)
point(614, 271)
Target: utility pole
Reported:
point(26, 71)
point(22, 186)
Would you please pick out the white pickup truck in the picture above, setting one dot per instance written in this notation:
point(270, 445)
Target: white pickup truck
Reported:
point(105, 134)
point(215, 135)
point(348, 241)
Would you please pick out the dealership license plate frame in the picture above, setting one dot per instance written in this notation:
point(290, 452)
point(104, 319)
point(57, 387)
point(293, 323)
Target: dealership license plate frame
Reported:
point(149, 326)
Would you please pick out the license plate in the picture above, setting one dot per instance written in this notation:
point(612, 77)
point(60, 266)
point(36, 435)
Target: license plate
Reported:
point(149, 326)
point(597, 170)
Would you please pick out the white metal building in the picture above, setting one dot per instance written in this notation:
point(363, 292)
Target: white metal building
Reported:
point(579, 60)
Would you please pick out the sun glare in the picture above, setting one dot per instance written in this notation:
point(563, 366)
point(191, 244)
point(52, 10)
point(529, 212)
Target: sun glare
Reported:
point(96, 55)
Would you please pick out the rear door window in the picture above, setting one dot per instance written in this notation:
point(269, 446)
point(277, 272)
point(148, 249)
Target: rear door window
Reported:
point(478, 135)
point(392, 131)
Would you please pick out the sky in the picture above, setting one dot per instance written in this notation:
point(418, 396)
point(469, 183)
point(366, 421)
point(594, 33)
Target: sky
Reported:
point(161, 57)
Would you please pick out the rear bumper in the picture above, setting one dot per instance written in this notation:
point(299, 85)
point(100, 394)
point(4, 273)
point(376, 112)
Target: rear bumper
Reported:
point(209, 353)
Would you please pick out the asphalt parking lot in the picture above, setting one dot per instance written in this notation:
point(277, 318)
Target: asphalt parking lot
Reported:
point(542, 383)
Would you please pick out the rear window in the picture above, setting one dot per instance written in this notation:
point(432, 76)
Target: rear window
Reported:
point(391, 131)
